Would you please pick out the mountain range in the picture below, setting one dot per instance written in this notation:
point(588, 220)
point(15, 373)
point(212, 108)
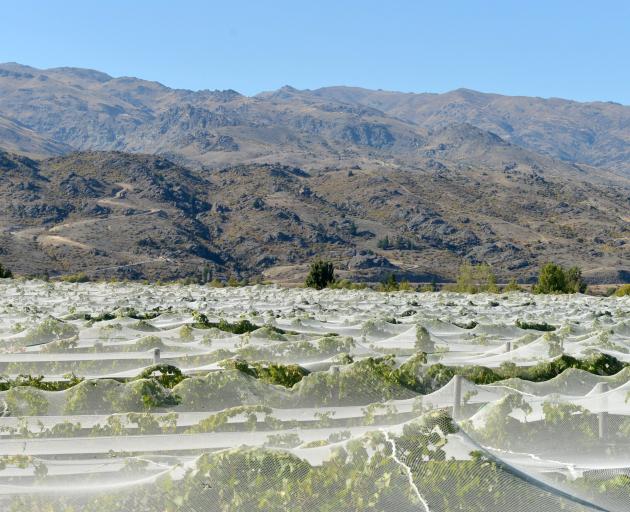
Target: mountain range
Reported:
point(126, 176)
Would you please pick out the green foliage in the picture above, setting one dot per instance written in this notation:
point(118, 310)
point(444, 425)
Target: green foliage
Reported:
point(186, 333)
point(167, 375)
point(321, 275)
point(575, 283)
point(468, 325)
point(475, 279)
point(545, 327)
point(26, 401)
point(408, 374)
point(335, 344)
point(100, 317)
point(48, 330)
point(566, 423)
point(512, 286)
point(427, 287)
point(288, 440)
point(143, 395)
point(345, 284)
point(555, 279)
point(149, 342)
point(399, 243)
point(151, 424)
point(551, 279)
point(206, 274)
point(391, 284)
point(219, 390)
point(423, 342)
point(80, 277)
point(362, 382)
point(283, 375)
point(38, 382)
point(436, 376)
point(384, 243)
point(5, 273)
point(240, 327)
point(220, 421)
point(108, 395)
point(622, 291)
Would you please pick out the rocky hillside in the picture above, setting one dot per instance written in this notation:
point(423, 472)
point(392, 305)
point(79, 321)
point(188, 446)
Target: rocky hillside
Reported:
point(112, 213)
point(596, 133)
point(130, 177)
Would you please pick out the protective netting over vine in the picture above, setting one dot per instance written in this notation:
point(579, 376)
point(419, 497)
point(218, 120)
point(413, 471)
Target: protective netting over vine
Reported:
point(129, 397)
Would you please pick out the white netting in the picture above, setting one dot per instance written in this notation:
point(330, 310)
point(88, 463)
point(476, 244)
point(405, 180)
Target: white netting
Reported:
point(127, 397)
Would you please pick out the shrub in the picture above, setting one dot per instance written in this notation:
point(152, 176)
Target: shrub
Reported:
point(468, 325)
point(555, 279)
point(384, 243)
point(623, 290)
point(475, 279)
point(512, 286)
point(5, 273)
point(429, 287)
point(206, 274)
point(321, 274)
point(400, 243)
point(545, 327)
point(391, 284)
point(81, 277)
point(575, 284)
point(345, 284)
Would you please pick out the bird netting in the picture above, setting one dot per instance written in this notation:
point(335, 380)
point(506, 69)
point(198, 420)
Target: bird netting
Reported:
point(131, 397)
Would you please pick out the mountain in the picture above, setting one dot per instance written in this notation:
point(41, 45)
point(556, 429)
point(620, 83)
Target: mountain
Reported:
point(129, 177)
point(19, 139)
point(89, 110)
point(594, 133)
point(131, 215)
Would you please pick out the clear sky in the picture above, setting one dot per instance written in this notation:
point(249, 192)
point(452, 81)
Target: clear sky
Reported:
point(572, 49)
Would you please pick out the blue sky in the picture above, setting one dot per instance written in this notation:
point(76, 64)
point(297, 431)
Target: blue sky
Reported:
point(571, 49)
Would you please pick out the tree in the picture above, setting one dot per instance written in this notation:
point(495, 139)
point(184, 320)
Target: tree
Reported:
point(555, 279)
point(551, 279)
point(206, 274)
point(476, 278)
point(512, 286)
point(321, 274)
point(384, 243)
point(389, 284)
point(575, 283)
point(5, 273)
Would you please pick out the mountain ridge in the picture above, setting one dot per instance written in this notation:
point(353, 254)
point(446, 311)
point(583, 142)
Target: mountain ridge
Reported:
point(143, 216)
point(90, 110)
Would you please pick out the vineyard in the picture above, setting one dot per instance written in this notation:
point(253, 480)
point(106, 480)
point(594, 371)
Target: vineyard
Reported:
point(132, 397)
